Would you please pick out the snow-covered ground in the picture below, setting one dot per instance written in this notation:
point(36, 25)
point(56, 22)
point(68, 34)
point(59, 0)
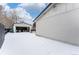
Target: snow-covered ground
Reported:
point(30, 44)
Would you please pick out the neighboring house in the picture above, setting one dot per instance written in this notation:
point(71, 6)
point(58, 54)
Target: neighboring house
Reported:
point(33, 29)
point(2, 34)
point(22, 27)
point(59, 21)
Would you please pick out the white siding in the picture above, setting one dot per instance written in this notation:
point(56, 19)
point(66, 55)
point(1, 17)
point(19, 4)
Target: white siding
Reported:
point(64, 25)
point(21, 25)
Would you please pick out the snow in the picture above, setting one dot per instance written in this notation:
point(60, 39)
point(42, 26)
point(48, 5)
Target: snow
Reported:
point(30, 44)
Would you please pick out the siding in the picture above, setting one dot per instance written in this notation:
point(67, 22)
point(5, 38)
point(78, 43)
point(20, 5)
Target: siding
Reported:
point(60, 23)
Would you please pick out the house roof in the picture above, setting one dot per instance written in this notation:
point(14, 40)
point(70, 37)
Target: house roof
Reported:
point(23, 23)
point(44, 11)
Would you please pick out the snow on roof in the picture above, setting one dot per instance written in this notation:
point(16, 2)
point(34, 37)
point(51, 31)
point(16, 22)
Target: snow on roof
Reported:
point(22, 24)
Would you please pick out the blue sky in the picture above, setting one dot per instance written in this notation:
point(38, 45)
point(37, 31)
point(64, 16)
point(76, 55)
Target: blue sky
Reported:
point(26, 11)
point(13, 5)
point(32, 10)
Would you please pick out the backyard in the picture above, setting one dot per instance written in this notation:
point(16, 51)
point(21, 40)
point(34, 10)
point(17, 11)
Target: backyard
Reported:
point(29, 44)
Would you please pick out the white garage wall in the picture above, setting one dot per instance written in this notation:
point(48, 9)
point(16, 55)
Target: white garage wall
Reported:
point(61, 24)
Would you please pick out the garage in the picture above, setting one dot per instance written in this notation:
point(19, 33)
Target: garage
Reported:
point(18, 27)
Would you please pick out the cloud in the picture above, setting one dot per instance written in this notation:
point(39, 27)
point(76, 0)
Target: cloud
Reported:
point(27, 9)
point(33, 6)
point(7, 8)
point(24, 15)
point(40, 5)
point(3, 4)
point(22, 10)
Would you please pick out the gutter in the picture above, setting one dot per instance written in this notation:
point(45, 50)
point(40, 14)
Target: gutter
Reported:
point(44, 11)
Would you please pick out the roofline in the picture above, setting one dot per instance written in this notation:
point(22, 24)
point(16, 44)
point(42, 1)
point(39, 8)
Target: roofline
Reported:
point(43, 11)
point(23, 23)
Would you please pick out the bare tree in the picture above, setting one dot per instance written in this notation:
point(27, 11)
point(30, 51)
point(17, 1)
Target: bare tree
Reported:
point(4, 19)
point(14, 15)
